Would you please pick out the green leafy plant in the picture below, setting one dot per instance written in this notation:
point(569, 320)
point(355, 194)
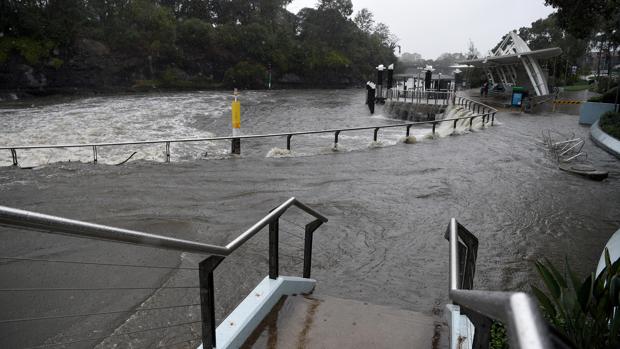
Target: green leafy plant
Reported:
point(499, 336)
point(587, 312)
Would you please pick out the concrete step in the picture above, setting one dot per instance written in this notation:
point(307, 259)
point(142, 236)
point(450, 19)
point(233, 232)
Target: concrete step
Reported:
point(315, 321)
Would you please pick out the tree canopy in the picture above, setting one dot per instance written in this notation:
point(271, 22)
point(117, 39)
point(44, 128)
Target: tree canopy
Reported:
point(214, 40)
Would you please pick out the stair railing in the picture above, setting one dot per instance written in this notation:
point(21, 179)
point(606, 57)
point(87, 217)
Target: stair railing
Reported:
point(12, 217)
point(516, 310)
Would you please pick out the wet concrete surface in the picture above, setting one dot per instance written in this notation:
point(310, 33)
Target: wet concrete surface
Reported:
point(388, 209)
point(306, 322)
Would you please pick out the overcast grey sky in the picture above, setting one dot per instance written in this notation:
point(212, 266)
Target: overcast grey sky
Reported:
point(432, 27)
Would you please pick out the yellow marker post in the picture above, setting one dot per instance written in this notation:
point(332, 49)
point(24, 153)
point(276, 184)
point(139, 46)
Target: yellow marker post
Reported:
point(236, 125)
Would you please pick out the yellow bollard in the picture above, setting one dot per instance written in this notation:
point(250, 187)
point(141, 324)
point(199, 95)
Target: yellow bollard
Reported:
point(236, 125)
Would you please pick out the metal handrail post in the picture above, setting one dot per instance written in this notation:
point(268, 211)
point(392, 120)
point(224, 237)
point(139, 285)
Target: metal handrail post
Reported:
point(526, 327)
point(375, 134)
point(274, 228)
point(207, 299)
point(14, 156)
point(454, 255)
point(309, 231)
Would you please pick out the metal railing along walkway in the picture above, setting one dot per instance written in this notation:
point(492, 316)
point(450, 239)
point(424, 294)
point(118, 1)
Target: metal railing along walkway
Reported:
point(15, 218)
point(427, 97)
point(516, 310)
point(478, 109)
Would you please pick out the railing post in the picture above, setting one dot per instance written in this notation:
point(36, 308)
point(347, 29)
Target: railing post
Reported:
point(455, 124)
point(482, 324)
point(374, 137)
point(207, 299)
point(408, 128)
point(235, 146)
point(288, 142)
point(14, 156)
point(94, 154)
point(471, 122)
point(167, 151)
point(336, 137)
point(310, 228)
point(492, 118)
point(274, 226)
point(434, 124)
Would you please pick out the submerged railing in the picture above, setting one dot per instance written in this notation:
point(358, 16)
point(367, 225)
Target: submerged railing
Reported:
point(16, 218)
point(428, 97)
point(480, 110)
point(516, 310)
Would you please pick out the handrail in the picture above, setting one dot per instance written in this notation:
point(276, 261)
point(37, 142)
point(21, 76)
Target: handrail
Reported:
point(480, 103)
point(204, 139)
point(487, 113)
point(13, 217)
point(57, 225)
point(517, 310)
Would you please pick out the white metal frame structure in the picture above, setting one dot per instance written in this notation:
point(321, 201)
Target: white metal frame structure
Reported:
point(503, 63)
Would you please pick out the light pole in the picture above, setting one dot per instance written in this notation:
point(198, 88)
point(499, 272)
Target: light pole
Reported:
point(617, 69)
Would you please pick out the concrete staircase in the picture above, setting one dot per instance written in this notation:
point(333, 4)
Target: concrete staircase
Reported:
point(316, 321)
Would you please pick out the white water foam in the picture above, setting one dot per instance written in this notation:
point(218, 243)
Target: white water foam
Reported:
point(279, 153)
point(117, 119)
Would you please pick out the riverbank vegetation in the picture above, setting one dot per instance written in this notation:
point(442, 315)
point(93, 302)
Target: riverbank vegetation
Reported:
point(99, 44)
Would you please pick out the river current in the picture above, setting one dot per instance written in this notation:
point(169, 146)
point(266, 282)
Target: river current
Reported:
point(388, 208)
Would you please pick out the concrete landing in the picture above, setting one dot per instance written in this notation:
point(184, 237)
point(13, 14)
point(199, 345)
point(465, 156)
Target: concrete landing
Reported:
point(327, 322)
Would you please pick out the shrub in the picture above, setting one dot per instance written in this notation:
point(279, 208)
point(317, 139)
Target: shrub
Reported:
point(56, 62)
point(587, 312)
point(610, 123)
point(607, 97)
point(32, 50)
point(245, 75)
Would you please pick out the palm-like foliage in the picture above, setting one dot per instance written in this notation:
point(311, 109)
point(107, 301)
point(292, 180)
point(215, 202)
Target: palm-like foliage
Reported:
point(587, 312)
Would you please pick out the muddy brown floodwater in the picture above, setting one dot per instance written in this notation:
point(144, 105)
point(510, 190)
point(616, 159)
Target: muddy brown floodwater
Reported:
point(388, 209)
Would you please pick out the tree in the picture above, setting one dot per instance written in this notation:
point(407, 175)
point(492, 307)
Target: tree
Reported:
point(472, 51)
point(364, 19)
point(411, 57)
point(382, 32)
point(579, 17)
point(344, 7)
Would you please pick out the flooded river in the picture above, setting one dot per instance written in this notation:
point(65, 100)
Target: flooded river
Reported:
point(388, 207)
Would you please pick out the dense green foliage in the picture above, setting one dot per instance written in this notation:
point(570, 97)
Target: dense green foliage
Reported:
point(610, 123)
point(586, 311)
point(229, 41)
point(596, 22)
point(499, 336)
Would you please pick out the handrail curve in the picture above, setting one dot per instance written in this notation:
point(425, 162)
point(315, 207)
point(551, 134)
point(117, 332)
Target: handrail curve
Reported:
point(517, 310)
point(13, 217)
